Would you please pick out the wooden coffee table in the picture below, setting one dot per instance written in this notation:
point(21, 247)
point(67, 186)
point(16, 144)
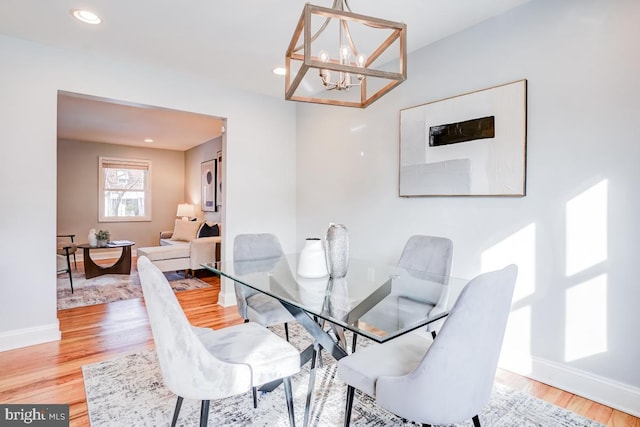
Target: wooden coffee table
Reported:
point(121, 266)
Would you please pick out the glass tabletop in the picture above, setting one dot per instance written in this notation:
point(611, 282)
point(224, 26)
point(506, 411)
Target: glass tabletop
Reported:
point(377, 301)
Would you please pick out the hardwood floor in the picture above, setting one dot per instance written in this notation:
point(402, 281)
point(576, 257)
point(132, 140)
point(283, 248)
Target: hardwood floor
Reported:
point(51, 372)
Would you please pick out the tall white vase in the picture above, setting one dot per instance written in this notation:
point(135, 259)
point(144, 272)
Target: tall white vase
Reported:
point(313, 262)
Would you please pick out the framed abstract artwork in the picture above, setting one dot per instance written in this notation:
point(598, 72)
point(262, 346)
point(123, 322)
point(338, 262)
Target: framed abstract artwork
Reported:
point(208, 185)
point(467, 145)
point(219, 181)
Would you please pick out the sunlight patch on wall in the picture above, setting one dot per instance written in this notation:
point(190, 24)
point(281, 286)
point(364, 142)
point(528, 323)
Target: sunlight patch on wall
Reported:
point(587, 229)
point(516, 351)
point(520, 249)
point(586, 321)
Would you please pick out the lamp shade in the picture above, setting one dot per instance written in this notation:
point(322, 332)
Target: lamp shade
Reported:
point(186, 211)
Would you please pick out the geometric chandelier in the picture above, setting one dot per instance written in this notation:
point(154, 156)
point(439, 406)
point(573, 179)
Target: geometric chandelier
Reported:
point(354, 59)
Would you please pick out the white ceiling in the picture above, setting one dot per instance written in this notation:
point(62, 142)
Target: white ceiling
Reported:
point(85, 118)
point(235, 42)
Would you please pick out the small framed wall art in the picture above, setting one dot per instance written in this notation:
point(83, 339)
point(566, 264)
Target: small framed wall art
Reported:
point(208, 185)
point(467, 145)
point(219, 181)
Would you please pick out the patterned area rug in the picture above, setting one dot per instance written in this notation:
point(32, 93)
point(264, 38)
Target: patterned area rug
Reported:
point(112, 287)
point(129, 391)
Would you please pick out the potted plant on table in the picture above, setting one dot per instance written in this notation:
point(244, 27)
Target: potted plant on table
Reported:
point(103, 237)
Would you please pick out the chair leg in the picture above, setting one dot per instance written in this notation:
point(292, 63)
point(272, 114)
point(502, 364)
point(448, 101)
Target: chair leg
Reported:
point(71, 281)
point(204, 413)
point(286, 331)
point(353, 342)
point(66, 250)
point(176, 412)
point(312, 381)
point(288, 393)
point(254, 392)
point(476, 421)
point(349, 405)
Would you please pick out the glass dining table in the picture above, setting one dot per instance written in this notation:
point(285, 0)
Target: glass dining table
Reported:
point(374, 300)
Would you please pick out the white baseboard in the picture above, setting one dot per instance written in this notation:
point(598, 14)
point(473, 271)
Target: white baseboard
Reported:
point(603, 390)
point(29, 336)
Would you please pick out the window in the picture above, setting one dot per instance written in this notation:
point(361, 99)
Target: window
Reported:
point(125, 190)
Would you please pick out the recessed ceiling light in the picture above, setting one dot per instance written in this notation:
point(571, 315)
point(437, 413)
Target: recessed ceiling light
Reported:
point(280, 71)
point(148, 140)
point(85, 16)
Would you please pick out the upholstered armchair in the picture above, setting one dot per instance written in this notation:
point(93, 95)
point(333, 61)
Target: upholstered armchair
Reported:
point(445, 380)
point(206, 364)
point(61, 241)
point(64, 251)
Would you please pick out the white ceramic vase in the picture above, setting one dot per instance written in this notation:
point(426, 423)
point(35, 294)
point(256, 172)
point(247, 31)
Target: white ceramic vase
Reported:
point(93, 240)
point(313, 262)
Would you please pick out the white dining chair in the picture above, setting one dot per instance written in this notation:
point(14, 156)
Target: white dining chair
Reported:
point(423, 257)
point(265, 251)
point(429, 257)
point(206, 364)
point(444, 380)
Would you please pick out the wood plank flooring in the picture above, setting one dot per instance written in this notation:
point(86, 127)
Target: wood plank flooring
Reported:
point(51, 372)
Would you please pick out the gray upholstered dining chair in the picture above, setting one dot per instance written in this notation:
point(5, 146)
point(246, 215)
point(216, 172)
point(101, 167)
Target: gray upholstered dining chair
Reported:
point(205, 364)
point(428, 257)
point(425, 257)
point(444, 380)
point(255, 306)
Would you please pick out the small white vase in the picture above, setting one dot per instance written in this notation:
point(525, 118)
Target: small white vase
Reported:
point(313, 261)
point(93, 240)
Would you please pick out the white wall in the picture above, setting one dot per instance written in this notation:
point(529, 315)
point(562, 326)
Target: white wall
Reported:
point(192, 185)
point(260, 173)
point(575, 317)
point(77, 201)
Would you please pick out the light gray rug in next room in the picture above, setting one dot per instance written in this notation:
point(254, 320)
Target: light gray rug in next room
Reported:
point(112, 287)
point(129, 391)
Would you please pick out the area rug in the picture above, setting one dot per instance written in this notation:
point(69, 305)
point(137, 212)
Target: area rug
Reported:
point(129, 390)
point(112, 287)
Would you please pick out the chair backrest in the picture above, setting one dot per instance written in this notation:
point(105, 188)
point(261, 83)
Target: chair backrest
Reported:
point(453, 381)
point(256, 246)
point(427, 255)
point(188, 368)
point(265, 249)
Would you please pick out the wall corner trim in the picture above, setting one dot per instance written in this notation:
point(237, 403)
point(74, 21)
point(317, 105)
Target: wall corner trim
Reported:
point(19, 338)
point(227, 295)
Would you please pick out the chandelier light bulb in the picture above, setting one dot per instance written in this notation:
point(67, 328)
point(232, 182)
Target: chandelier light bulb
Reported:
point(323, 55)
point(345, 52)
point(361, 60)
